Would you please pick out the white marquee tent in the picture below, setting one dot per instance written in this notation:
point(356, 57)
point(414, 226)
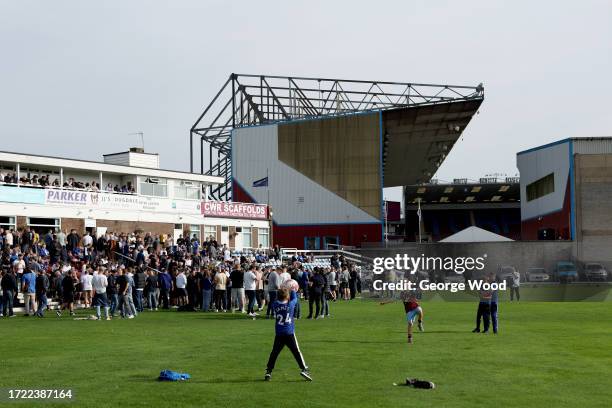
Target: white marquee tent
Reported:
point(475, 234)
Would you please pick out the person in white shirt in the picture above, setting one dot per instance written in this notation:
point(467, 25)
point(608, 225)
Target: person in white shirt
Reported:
point(333, 285)
point(515, 284)
point(86, 287)
point(19, 265)
point(87, 243)
point(227, 255)
point(181, 285)
point(8, 239)
point(250, 285)
point(99, 283)
point(284, 277)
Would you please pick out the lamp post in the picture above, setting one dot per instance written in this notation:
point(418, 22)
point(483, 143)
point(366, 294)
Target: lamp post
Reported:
point(271, 223)
point(386, 221)
point(419, 215)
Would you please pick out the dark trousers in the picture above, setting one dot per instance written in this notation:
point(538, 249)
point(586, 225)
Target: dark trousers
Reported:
point(220, 300)
point(7, 299)
point(325, 301)
point(259, 296)
point(192, 295)
point(250, 294)
point(114, 301)
point(280, 341)
point(163, 297)
point(139, 300)
point(513, 291)
point(228, 298)
point(483, 313)
point(272, 295)
point(315, 297)
point(493, 316)
point(353, 289)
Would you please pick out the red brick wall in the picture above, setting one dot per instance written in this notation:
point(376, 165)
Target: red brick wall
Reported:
point(77, 224)
point(21, 222)
point(131, 226)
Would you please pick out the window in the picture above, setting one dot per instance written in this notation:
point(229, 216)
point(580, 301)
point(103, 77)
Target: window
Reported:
point(330, 242)
point(312, 243)
point(194, 230)
point(541, 187)
point(187, 190)
point(8, 223)
point(43, 225)
point(151, 186)
point(246, 237)
point(210, 231)
point(263, 237)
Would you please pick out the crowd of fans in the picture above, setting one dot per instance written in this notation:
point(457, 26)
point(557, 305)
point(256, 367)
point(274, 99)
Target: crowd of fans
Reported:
point(124, 274)
point(44, 181)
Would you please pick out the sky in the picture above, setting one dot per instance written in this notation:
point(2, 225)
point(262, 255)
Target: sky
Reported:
point(77, 77)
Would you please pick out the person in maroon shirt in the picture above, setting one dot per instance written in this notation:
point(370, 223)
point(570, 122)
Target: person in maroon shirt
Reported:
point(413, 310)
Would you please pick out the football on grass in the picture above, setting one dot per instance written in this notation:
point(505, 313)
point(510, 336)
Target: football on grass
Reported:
point(291, 284)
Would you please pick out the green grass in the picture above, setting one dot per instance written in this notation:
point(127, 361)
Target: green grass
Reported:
point(547, 354)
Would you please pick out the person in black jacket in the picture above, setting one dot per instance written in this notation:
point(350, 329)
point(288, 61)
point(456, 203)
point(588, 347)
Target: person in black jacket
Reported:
point(69, 283)
point(42, 286)
point(72, 240)
point(139, 282)
point(111, 291)
point(192, 289)
point(317, 283)
point(353, 282)
point(9, 288)
point(152, 290)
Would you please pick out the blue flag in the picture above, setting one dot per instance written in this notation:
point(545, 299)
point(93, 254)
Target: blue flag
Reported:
point(261, 182)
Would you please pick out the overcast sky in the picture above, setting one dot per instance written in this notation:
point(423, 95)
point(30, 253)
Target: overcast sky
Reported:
point(76, 77)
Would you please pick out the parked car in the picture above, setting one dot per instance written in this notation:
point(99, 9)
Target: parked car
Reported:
point(505, 273)
point(566, 272)
point(537, 275)
point(595, 271)
point(454, 277)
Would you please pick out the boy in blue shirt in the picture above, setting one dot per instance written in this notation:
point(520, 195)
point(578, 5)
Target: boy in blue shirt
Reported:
point(283, 309)
point(493, 307)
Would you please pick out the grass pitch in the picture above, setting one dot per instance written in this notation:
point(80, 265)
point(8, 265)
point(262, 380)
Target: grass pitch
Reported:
point(547, 354)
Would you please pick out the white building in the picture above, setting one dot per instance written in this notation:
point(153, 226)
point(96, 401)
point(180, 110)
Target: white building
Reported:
point(125, 193)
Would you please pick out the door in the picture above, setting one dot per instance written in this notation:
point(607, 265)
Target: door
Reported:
point(178, 231)
point(225, 235)
point(331, 242)
point(312, 243)
point(238, 240)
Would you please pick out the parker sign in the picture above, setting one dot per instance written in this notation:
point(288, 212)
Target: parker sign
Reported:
point(234, 210)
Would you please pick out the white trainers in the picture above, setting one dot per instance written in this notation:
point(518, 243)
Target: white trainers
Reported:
point(306, 375)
